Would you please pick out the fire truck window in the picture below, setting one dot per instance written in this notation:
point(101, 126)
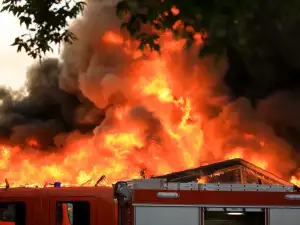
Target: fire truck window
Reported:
point(73, 213)
point(13, 213)
point(225, 218)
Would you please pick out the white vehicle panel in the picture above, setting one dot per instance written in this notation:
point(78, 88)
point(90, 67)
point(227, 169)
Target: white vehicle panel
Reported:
point(284, 216)
point(156, 215)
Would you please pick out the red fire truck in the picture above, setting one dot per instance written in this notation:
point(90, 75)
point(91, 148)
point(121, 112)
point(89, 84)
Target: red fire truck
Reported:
point(152, 202)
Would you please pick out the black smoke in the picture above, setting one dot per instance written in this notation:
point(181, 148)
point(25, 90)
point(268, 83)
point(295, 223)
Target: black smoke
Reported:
point(46, 110)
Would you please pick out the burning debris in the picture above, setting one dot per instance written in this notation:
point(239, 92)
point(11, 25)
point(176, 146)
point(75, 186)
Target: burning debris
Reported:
point(107, 108)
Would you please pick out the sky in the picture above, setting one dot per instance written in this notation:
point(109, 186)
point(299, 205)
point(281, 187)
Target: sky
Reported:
point(13, 65)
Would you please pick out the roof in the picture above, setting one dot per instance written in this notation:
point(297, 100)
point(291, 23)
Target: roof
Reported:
point(229, 171)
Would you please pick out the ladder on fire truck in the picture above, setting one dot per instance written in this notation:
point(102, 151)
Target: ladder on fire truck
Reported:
point(162, 184)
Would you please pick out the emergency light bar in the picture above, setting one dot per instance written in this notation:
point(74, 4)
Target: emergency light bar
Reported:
point(57, 184)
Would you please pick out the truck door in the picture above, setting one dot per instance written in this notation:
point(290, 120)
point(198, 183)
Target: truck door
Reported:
point(166, 215)
point(73, 211)
point(284, 216)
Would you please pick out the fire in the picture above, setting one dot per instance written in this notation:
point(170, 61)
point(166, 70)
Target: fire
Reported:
point(294, 180)
point(113, 38)
point(175, 11)
point(33, 143)
point(159, 87)
point(123, 140)
point(254, 160)
point(159, 127)
point(202, 180)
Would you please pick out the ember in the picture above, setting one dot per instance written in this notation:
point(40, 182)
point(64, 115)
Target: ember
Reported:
point(163, 112)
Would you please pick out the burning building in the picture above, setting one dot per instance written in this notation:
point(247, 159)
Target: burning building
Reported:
point(229, 171)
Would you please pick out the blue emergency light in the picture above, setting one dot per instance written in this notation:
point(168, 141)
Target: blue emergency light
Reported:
point(57, 184)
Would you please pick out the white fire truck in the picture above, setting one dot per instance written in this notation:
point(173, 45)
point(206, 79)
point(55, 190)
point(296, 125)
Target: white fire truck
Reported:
point(152, 202)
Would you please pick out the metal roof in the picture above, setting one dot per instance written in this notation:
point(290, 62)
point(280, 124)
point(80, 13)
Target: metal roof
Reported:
point(242, 169)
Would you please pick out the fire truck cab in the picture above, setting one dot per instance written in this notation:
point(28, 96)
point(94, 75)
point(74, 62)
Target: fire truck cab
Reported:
point(152, 202)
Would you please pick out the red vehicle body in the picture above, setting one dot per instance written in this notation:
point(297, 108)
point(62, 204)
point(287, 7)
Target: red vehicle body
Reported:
point(151, 202)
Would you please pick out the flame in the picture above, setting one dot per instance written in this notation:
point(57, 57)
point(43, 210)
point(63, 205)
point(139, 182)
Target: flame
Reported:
point(296, 181)
point(33, 143)
point(159, 87)
point(202, 180)
point(160, 128)
point(113, 38)
point(239, 153)
point(175, 11)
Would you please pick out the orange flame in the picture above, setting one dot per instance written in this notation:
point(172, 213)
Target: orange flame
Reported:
point(33, 143)
point(296, 181)
point(159, 127)
point(254, 160)
point(175, 11)
point(202, 180)
point(113, 38)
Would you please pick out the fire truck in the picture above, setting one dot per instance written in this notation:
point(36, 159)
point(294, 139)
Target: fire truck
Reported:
point(152, 202)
